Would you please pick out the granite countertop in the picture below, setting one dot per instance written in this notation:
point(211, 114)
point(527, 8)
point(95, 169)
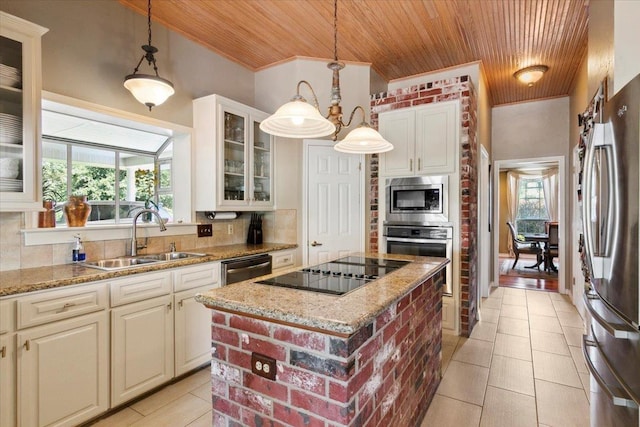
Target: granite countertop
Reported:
point(15, 282)
point(340, 315)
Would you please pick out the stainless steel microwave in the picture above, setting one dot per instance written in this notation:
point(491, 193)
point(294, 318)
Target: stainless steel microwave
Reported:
point(420, 199)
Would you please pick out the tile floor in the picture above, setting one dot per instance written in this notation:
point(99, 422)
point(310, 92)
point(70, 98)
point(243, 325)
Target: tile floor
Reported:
point(182, 404)
point(522, 366)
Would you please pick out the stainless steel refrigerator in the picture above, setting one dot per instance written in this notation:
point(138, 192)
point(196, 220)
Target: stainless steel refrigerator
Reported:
point(611, 213)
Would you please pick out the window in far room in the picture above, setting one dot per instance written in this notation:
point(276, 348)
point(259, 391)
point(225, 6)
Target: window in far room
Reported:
point(532, 210)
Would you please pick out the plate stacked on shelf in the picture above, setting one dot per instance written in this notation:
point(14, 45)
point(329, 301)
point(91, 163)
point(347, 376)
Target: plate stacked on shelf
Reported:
point(10, 76)
point(10, 129)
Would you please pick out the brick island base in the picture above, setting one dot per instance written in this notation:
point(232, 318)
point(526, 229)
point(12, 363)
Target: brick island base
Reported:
point(384, 375)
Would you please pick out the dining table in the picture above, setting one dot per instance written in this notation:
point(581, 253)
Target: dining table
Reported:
point(542, 238)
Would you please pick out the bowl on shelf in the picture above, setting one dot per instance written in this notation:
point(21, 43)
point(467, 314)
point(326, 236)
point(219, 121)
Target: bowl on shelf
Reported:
point(9, 167)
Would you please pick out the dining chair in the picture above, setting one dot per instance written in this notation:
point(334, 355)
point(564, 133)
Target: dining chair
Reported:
point(525, 247)
point(551, 249)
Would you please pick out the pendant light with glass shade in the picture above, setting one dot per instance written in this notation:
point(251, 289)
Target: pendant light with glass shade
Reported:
point(298, 119)
point(148, 89)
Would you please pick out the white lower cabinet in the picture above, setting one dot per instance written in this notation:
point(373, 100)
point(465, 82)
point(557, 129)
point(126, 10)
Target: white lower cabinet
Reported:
point(192, 331)
point(141, 347)
point(8, 380)
point(283, 259)
point(62, 371)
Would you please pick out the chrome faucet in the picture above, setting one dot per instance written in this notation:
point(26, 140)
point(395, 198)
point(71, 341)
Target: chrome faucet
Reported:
point(134, 239)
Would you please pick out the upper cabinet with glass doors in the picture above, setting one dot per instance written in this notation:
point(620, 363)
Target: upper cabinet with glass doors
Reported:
point(234, 159)
point(20, 86)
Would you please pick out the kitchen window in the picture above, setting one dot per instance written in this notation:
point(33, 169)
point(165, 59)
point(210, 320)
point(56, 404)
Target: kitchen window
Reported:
point(118, 183)
point(532, 210)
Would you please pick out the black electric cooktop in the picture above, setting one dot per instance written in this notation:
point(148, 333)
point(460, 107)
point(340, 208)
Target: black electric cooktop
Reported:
point(336, 277)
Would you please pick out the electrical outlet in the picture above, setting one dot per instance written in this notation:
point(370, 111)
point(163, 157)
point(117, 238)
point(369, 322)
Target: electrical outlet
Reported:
point(263, 366)
point(205, 230)
point(229, 228)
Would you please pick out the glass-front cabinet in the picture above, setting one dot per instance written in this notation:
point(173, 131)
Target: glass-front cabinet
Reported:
point(20, 86)
point(234, 158)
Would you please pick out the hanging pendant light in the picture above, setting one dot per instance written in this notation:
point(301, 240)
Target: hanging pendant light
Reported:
point(148, 89)
point(298, 119)
point(364, 139)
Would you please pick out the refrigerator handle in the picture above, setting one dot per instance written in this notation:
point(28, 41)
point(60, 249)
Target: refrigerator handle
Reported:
point(587, 200)
point(616, 392)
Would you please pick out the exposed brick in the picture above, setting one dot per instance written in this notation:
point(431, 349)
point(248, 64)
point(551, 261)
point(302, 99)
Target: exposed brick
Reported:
point(264, 386)
point(218, 317)
point(249, 399)
point(345, 347)
point(249, 325)
point(267, 348)
point(225, 407)
point(303, 380)
point(238, 358)
point(225, 372)
point(218, 351)
point(330, 367)
point(224, 335)
point(308, 340)
point(295, 417)
point(334, 412)
point(253, 419)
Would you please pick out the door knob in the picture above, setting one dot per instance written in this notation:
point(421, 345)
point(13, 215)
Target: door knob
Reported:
point(316, 243)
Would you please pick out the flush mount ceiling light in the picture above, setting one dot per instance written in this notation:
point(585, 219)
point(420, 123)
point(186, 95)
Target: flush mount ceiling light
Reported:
point(530, 75)
point(298, 119)
point(363, 139)
point(148, 89)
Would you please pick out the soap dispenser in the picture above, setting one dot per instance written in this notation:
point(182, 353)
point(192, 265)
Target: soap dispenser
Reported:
point(78, 254)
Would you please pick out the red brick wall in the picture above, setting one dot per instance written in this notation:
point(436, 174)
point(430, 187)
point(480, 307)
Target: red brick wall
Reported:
point(383, 375)
point(433, 92)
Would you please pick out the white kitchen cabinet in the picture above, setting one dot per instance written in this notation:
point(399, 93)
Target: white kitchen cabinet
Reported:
point(234, 159)
point(283, 259)
point(141, 347)
point(20, 87)
point(425, 139)
point(192, 320)
point(192, 331)
point(62, 371)
point(8, 380)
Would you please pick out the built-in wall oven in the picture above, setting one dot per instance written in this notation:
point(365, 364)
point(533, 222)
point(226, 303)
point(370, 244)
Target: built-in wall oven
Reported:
point(436, 241)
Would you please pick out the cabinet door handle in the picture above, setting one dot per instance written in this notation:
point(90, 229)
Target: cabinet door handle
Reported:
point(3, 351)
point(419, 164)
point(169, 306)
point(66, 306)
point(180, 303)
point(27, 345)
point(411, 165)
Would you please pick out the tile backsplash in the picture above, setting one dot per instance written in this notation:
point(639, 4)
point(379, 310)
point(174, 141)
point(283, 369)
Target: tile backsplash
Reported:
point(278, 227)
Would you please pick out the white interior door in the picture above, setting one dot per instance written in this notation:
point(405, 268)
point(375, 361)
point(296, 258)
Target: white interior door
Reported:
point(334, 203)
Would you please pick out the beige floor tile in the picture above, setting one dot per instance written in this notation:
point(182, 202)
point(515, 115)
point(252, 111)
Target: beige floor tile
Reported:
point(514, 291)
point(541, 309)
point(512, 346)
point(514, 312)
point(558, 296)
point(559, 405)
point(544, 323)
point(549, 342)
point(476, 352)
point(512, 374)
point(490, 315)
point(585, 380)
point(172, 392)
point(496, 292)
point(445, 411)
point(555, 368)
point(125, 417)
point(203, 392)
point(180, 412)
point(491, 302)
point(578, 359)
point(562, 305)
point(573, 335)
point(464, 382)
point(447, 354)
point(203, 421)
point(514, 300)
point(484, 331)
point(450, 338)
point(511, 326)
point(506, 408)
point(539, 295)
point(571, 319)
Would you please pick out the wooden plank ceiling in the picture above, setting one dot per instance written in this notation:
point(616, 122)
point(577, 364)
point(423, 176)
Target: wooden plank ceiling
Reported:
point(399, 38)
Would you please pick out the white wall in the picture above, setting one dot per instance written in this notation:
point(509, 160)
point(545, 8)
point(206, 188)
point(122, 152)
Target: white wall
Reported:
point(531, 129)
point(92, 45)
point(626, 42)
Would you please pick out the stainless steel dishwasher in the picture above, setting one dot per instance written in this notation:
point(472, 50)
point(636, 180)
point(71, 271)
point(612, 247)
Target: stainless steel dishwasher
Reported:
point(239, 269)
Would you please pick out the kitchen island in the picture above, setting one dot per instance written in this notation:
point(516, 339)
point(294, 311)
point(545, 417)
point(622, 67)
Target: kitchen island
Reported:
point(369, 357)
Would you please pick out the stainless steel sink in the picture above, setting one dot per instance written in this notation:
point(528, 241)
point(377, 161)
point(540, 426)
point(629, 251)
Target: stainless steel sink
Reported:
point(140, 260)
point(172, 256)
